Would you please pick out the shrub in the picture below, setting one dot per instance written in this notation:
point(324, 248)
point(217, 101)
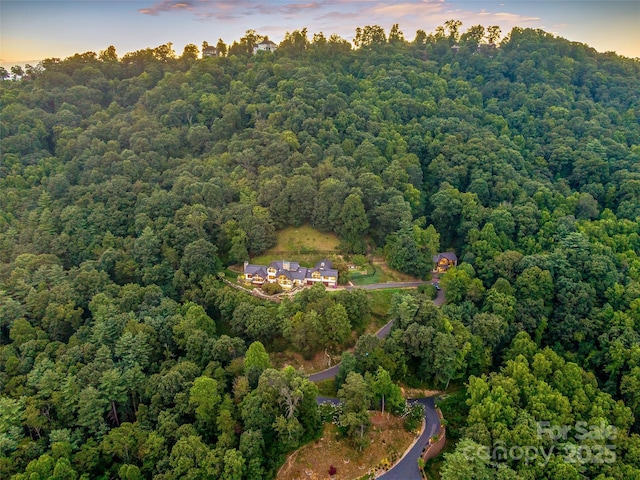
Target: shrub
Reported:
point(359, 260)
point(413, 415)
point(271, 288)
point(429, 290)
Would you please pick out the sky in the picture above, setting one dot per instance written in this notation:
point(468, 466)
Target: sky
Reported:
point(31, 30)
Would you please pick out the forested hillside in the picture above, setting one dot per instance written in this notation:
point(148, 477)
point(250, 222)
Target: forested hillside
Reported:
point(127, 183)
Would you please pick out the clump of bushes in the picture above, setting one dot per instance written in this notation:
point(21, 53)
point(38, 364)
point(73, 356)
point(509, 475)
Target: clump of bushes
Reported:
point(271, 288)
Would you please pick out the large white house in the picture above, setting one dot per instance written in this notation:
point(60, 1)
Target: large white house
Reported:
point(290, 274)
point(265, 46)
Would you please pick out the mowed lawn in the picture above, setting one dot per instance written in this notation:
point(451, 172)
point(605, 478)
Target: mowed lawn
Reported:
point(307, 244)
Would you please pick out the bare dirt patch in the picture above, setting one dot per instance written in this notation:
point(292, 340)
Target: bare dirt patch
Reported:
point(319, 362)
point(389, 440)
point(421, 392)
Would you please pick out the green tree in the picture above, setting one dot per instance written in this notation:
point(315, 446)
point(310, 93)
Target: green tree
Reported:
point(200, 258)
point(335, 327)
point(188, 457)
point(355, 394)
point(469, 460)
point(353, 225)
point(388, 392)
point(11, 415)
point(91, 408)
point(256, 358)
point(205, 396)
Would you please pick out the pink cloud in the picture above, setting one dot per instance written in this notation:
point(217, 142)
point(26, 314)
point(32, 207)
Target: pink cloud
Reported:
point(409, 8)
point(167, 6)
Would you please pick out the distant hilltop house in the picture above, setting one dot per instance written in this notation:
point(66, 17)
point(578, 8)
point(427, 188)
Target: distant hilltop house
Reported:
point(290, 274)
point(210, 51)
point(486, 48)
point(444, 261)
point(265, 46)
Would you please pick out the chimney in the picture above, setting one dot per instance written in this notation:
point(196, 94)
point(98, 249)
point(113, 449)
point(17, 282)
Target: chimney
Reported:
point(245, 265)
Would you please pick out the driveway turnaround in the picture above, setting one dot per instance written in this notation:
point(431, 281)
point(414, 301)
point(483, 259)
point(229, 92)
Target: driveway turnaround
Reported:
point(407, 467)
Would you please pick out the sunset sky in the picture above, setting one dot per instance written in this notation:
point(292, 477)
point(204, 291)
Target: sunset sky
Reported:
point(31, 30)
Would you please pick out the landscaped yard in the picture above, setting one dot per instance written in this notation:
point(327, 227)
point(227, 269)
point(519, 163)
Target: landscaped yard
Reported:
point(379, 272)
point(388, 437)
point(307, 246)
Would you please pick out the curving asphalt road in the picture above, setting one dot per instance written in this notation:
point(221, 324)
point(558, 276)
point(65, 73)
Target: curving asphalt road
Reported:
point(407, 467)
point(333, 371)
point(320, 399)
point(383, 332)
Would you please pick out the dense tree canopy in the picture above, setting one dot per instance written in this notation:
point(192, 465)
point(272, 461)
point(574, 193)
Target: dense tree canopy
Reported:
point(128, 182)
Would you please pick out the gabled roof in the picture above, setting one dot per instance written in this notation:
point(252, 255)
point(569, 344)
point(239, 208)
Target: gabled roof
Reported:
point(279, 265)
point(267, 42)
point(294, 272)
point(325, 272)
point(451, 256)
point(299, 274)
point(256, 269)
point(324, 268)
point(324, 265)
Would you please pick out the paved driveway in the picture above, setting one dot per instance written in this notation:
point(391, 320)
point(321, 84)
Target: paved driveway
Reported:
point(333, 371)
point(407, 467)
point(320, 399)
point(383, 332)
point(325, 374)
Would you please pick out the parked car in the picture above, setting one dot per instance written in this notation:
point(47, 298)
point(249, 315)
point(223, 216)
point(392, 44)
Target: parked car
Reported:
point(437, 285)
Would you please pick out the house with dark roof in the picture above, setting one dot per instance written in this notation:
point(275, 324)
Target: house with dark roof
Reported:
point(210, 51)
point(265, 46)
point(289, 274)
point(444, 261)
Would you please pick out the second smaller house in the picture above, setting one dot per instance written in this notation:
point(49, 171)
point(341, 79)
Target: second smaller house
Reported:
point(210, 51)
point(265, 46)
point(444, 261)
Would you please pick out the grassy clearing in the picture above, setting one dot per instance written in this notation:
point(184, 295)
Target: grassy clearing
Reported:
point(388, 437)
point(374, 275)
point(304, 239)
point(230, 274)
point(380, 301)
point(304, 259)
point(379, 272)
point(304, 245)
